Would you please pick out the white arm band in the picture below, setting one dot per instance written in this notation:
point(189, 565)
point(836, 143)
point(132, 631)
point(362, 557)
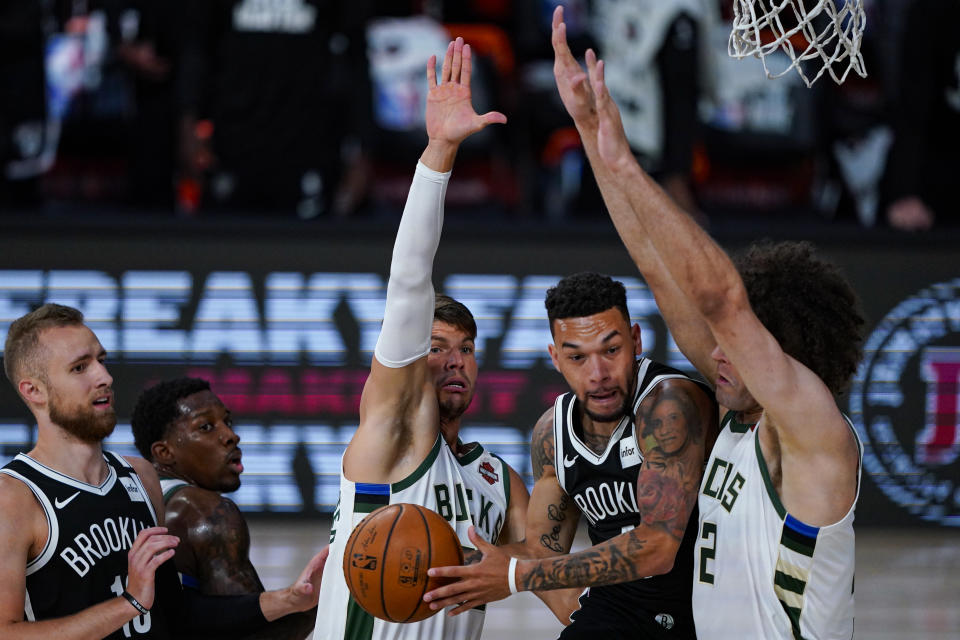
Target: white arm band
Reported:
point(408, 315)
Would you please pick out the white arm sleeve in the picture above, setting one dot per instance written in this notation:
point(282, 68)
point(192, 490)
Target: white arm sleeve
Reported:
point(408, 315)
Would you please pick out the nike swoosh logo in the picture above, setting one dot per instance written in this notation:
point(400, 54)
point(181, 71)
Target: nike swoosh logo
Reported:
point(60, 505)
point(569, 462)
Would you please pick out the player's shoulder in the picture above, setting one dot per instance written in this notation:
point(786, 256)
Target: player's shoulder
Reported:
point(14, 495)
point(22, 518)
point(201, 512)
point(200, 501)
point(544, 424)
point(143, 467)
point(684, 384)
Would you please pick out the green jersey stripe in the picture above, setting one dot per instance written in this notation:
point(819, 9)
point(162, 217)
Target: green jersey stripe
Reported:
point(422, 469)
point(359, 622)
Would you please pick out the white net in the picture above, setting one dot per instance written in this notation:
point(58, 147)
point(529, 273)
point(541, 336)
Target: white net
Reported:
point(819, 37)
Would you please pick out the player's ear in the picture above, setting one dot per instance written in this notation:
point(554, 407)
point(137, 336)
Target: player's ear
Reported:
point(162, 452)
point(552, 350)
point(33, 391)
point(636, 334)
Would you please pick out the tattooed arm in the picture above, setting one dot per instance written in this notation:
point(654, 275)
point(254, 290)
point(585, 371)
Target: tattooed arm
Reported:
point(667, 494)
point(551, 516)
point(215, 551)
point(676, 424)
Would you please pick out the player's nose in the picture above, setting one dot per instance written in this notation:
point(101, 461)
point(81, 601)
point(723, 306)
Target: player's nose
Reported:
point(598, 369)
point(718, 355)
point(455, 359)
point(228, 435)
point(104, 379)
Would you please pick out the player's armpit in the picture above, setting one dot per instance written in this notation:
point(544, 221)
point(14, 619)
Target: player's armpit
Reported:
point(514, 528)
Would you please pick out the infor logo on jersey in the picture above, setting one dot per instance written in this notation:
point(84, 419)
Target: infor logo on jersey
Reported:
point(133, 491)
point(912, 439)
point(629, 453)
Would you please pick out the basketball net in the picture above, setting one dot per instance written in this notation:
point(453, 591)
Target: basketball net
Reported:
point(821, 35)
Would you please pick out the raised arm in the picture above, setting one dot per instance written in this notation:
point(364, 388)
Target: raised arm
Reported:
point(688, 328)
point(398, 407)
point(817, 449)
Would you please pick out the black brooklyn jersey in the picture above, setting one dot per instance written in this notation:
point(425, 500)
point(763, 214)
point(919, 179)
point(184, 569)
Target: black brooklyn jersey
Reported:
point(91, 529)
point(604, 488)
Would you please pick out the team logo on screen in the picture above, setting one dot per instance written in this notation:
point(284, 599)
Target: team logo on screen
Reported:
point(904, 403)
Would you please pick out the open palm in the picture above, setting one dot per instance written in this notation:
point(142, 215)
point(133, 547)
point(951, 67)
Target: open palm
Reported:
point(450, 115)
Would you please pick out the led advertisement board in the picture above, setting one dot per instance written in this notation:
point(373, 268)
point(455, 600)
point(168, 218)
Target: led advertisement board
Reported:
point(284, 324)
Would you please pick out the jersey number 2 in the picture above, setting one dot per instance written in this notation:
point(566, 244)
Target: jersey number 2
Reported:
point(708, 550)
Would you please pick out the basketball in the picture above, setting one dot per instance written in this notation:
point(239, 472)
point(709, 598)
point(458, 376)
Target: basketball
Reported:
point(386, 559)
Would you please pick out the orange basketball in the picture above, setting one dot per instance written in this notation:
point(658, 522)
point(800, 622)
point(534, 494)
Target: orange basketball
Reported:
point(387, 556)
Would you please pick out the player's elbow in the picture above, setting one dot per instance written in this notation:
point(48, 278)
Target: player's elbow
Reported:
point(665, 556)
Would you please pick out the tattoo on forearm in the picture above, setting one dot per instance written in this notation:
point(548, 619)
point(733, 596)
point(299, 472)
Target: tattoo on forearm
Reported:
point(556, 513)
point(606, 563)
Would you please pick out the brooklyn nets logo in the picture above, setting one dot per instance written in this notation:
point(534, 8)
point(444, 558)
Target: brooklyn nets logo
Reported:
point(904, 403)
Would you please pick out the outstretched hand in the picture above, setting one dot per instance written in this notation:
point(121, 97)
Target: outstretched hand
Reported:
point(450, 115)
point(572, 83)
point(478, 583)
point(305, 591)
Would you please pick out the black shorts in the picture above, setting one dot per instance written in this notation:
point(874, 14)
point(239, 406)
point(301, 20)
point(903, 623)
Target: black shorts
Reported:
point(601, 614)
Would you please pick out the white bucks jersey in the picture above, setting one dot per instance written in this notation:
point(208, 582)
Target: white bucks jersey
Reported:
point(472, 489)
point(758, 571)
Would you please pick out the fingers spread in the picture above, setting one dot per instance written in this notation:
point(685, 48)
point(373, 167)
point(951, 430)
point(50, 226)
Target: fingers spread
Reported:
point(453, 571)
point(453, 591)
point(432, 72)
point(467, 69)
point(591, 59)
point(482, 544)
point(596, 79)
point(447, 63)
point(494, 117)
point(457, 60)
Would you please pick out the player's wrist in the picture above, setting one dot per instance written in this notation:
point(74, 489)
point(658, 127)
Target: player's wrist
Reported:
point(440, 154)
point(512, 576)
point(140, 608)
